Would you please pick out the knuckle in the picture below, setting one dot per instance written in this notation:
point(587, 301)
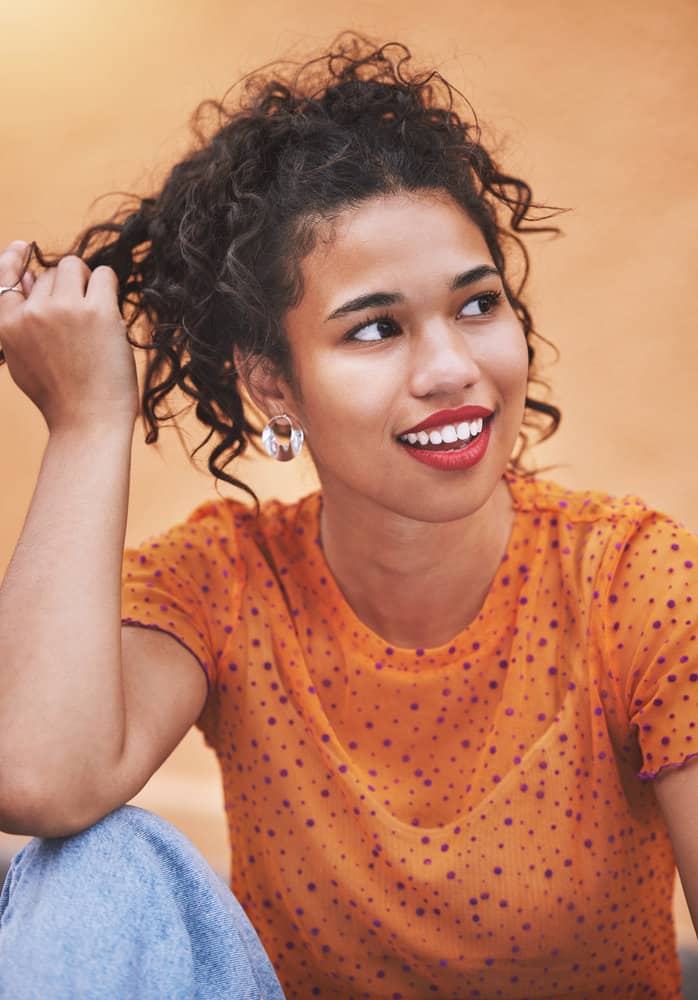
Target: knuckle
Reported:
point(91, 311)
point(63, 311)
point(44, 313)
point(45, 277)
point(31, 309)
point(33, 315)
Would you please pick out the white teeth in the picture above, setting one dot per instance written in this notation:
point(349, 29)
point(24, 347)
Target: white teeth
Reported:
point(448, 434)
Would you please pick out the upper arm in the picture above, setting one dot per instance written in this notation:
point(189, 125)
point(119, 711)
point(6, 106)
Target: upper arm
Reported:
point(180, 592)
point(677, 793)
point(650, 629)
point(648, 609)
point(165, 691)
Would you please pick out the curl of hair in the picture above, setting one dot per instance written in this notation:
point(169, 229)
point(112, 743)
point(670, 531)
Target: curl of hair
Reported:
point(211, 262)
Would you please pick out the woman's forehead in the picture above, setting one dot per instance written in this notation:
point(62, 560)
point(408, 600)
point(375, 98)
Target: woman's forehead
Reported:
point(392, 213)
point(391, 238)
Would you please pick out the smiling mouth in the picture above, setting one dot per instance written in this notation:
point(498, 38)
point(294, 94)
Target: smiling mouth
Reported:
point(449, 437)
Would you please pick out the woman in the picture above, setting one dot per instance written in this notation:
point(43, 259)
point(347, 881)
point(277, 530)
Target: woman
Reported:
point(438, 689)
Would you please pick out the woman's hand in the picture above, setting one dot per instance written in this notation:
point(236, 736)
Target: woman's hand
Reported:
point(64, 341)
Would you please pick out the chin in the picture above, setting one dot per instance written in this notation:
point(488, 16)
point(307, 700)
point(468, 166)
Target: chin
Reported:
point(440, 503)
point(412, 490)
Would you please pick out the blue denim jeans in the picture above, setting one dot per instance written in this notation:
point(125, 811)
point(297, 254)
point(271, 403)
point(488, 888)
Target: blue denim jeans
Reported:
point(126, 909)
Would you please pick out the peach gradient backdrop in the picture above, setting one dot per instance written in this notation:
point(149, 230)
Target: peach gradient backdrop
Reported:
point(592, 102)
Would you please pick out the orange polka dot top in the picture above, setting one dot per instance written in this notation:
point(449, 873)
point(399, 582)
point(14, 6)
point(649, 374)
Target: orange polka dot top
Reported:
point(472, 820)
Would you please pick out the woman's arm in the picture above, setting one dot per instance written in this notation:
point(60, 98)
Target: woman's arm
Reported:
point(677, 794)
point(83, 723)
point(88, 710)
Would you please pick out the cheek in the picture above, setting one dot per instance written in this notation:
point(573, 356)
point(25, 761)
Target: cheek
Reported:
point(509, 364)
point(520, 369)
point(337, 393)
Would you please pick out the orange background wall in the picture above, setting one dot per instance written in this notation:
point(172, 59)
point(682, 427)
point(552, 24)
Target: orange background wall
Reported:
point(593, 102)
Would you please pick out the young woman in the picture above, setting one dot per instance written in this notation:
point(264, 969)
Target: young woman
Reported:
point(454, 705)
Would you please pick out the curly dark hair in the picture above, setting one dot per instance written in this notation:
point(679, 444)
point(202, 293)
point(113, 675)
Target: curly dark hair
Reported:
point(211, 262)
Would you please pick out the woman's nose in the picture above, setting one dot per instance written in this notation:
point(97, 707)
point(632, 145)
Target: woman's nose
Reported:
point(442, 362)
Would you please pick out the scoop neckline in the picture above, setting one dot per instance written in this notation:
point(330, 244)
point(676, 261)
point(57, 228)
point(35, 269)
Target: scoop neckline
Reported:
point(483, 632)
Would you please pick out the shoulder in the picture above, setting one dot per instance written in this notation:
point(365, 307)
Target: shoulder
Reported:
point(222, 537)
point(227, 520)
point(531, 493)
point(278, 537)
point(189, 579)
point(284, 533)
point(616, 556)
point(620, 523)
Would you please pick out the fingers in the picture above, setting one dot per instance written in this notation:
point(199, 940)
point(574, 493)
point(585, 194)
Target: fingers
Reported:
point(27, 282)
point(70, 277)
point(103, 284)
point(69, 280)
point(11, 262)
point(72, 274)
point(42, 288)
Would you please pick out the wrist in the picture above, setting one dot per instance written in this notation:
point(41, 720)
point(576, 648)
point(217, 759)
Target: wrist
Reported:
point(101, 430)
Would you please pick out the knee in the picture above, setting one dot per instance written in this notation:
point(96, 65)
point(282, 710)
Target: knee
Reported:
point(96, 906)
point(125, 824)
point(124, 841)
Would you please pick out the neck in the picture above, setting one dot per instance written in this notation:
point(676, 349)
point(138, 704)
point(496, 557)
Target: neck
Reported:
point(413, 583)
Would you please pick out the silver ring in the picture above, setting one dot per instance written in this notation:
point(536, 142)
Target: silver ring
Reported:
point(11, 288)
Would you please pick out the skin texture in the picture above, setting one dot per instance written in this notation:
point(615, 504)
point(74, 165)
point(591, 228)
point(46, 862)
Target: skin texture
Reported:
point(65, 345)
point(89, 711)
point(677, 794)
point(431, 538)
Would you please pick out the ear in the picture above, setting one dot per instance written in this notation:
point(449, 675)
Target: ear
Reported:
point(268, 389)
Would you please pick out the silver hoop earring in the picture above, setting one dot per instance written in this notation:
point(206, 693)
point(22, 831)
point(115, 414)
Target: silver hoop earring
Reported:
point(277, 449)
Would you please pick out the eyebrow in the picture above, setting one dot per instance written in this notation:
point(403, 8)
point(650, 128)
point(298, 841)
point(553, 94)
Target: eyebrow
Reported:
point(376, 300)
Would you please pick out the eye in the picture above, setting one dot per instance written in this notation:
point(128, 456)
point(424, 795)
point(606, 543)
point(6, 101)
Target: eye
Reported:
point(481, 304)
point(375, 330)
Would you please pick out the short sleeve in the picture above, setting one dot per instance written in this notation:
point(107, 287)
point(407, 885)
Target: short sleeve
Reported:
point(186, 582)
point(652, 627)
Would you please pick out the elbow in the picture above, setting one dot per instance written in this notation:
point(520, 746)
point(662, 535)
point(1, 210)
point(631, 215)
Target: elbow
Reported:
point(20, 812)
point(29, 811)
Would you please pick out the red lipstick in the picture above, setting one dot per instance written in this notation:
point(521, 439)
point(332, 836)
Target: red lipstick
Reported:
point(443, 417)
point(455, 458)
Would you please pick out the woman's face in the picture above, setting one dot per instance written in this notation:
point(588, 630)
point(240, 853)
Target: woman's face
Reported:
point(403, 317)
